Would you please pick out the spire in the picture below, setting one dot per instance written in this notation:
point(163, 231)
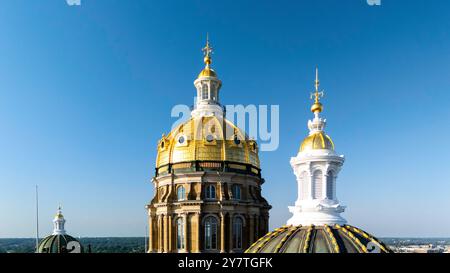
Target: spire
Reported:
point(317, 124)
point(207, 51)
point(58, 223)
point(317, 106)
point(208, 86)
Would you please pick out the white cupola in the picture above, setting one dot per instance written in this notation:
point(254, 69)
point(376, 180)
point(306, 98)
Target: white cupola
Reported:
point(58, 223)
point(316, 168)
point(208, 86)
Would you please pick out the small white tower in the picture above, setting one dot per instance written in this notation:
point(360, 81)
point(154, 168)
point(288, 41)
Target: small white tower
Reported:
point(58, 223)
point(208, 86)
point(316, 167)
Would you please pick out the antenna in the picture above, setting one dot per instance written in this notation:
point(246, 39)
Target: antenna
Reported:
point(145, 237)
point(37, 219)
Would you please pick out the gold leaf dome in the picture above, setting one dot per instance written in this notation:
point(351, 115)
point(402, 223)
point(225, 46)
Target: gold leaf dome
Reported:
point(211, 139)
point(317, 141)
point(207, 72)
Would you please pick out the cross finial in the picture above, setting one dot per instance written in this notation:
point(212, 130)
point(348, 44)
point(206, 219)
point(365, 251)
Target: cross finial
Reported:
point(317, 94)
point(317, 106)
point(207, 51)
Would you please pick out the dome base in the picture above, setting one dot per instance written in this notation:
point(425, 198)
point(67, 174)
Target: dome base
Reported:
point(315, 218)
point(316, 215)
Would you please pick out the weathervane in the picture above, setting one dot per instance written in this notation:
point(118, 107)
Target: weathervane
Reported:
point(317, 94)
point(317, 106)
point(207, 50)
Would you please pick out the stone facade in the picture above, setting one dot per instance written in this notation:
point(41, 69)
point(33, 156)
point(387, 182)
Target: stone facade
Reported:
point(165, 208)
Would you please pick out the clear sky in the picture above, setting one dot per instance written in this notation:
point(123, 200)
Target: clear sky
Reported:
point(86, 92)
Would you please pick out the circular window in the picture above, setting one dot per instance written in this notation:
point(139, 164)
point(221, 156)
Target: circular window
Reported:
point(236, 140)
point(210, 138)
point(181, 139)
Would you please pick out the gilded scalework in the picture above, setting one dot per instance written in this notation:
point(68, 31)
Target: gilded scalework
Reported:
point(207, 139)
point(317, 141)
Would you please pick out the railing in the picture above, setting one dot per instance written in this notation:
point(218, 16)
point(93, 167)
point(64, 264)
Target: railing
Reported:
point(208, 166)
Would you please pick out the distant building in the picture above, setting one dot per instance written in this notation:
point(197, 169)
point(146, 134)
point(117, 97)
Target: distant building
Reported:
point(59, 241)
point(316, 225)
point(207, 181)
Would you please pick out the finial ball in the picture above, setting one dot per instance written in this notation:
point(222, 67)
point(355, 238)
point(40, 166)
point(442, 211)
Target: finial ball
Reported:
point(317, 107)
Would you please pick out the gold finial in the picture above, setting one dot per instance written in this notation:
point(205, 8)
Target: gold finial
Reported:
point(317, 106)
point(59, 213)
point(207, 50)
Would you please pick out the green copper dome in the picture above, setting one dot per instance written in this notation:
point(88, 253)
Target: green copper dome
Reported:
point(59, 241)
point(60, 244)
point(318, 239)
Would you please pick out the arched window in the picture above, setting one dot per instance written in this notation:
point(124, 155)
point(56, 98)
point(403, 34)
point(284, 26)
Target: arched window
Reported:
point(204, 92)
point(180, 233)
point(210, 233)
point(237, 233)
point(330, 186)
point(236, 191)
point(304, 189)
point(213, 94)
point(317, 184)
point(210, 192)
point(181, 193)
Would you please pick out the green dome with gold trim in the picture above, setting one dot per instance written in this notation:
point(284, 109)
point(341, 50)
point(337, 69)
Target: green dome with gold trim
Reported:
point(318, 239)
point(60, 243)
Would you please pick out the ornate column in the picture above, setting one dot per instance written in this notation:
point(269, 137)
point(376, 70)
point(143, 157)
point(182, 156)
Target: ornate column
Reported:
point(230, 225)
point(334, 186)
point(166, 233)
point(325, 184)
point(150, 234)
point(257, 233)
point(266, 223)
point(222, 232)
point(160, 233)
point(220, 193)
point(251, 229)
point(186, 226)
point(170, 233)
point(311, 186)
point(300, 189)
point(196, 239)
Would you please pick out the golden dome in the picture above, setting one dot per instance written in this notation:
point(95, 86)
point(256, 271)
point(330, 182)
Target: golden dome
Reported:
point(211, 139)
point(317, 141)
point(207, 72)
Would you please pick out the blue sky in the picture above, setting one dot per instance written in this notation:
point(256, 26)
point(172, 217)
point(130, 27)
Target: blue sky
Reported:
point(86, 92)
